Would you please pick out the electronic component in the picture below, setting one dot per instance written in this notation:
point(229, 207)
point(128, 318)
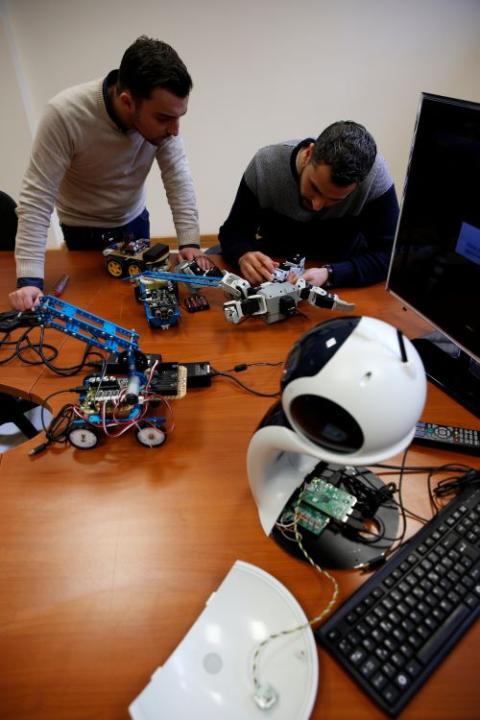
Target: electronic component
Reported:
point(170, 380)
point(196, 303)
point(199, 374)
point(129, 257)
point(448, 437)
point(319, 503)
point(160, 301)
point(159, 293)
point(291, 267)
point(273, 301)
point(192, 267)
point(127, 387)
point(402, 622)
point(307, 517)
point(161, 307)
point(329, 499)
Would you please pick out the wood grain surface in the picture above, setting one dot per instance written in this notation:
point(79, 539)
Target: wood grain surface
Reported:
point(108, 556)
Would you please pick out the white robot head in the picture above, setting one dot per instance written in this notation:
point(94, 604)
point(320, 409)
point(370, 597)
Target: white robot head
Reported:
point(355, 387)
point(353, 391)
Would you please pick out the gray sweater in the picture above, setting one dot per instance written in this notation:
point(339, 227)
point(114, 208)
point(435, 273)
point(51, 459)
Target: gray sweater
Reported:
point(94, 173)
point(354, 236)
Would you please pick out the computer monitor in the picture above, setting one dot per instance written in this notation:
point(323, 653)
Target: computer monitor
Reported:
point(435, 264)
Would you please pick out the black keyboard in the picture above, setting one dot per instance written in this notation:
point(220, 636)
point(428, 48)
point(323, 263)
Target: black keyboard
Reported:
point(392, 633)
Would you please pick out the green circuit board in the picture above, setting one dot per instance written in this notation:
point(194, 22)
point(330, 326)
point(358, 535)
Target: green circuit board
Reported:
point(329, 499)
point(308, 518)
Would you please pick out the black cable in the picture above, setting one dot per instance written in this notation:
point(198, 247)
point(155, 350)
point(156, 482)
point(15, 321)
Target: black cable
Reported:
point(55, 432)
point(401, 538)
point(357, 484)
point(6, 341)
point(423, 468)
point(454, 484)
point(431, 470)
point(24, 344)
point(219, 373)
point(244, 366)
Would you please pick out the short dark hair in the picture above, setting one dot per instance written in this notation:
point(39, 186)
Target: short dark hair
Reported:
point(150, 63)
point(349, 150)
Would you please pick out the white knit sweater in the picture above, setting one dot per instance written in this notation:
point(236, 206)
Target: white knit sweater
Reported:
point(94, 174)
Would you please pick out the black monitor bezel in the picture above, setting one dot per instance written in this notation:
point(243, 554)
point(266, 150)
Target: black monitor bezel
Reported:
point(452, 366)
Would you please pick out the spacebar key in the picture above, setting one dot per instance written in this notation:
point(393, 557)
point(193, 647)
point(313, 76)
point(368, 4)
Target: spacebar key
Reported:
point(442, 634)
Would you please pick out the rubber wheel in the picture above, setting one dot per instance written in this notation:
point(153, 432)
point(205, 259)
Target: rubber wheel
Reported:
point(150, 435)
point(83, 437)
point(114, 268)
point(134, 269)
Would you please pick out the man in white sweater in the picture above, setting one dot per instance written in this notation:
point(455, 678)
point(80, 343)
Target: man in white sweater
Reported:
point(92, 153)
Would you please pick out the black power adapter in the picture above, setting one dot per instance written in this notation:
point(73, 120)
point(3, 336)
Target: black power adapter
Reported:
point(199, 374)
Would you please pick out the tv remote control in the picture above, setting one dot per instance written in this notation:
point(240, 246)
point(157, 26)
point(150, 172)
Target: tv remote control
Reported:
point(448, 437)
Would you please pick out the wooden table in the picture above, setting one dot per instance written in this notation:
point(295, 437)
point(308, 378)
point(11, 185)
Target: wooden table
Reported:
point(108, 556)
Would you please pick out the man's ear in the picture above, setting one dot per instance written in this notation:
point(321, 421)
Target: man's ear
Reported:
point(309, 152)
point(126, 100)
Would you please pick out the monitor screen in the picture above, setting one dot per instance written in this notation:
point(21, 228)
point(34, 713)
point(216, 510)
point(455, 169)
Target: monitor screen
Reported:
point(435, 264)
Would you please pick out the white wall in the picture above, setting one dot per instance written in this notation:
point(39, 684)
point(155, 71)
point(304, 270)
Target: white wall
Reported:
point(15, 133)
point(263, 71)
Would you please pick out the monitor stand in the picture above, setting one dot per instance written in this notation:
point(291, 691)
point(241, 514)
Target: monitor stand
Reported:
point(451, 369)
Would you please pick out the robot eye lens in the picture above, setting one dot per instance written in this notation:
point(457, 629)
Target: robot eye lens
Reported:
point(327, 424)
point(317, 347)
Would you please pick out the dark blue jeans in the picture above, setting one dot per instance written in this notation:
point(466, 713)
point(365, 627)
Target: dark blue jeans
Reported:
point(94, 238)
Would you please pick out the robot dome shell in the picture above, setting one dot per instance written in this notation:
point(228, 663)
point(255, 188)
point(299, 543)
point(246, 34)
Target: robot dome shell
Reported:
point(354, 387)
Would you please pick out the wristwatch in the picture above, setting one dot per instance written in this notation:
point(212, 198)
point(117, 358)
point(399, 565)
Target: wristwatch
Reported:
point(329, 281)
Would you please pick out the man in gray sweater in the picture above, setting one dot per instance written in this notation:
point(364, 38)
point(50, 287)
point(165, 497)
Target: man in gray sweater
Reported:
point(331, 199)
point(92, 153)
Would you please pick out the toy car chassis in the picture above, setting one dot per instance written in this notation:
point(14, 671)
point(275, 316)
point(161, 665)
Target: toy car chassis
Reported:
point(130, 257)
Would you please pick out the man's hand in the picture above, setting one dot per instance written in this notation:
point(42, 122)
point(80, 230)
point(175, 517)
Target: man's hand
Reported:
point(256, 267)
point(195, 254)
point(25, 298)
point(316, 276)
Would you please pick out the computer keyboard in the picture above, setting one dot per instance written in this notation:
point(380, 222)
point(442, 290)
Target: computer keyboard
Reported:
point(392, 633)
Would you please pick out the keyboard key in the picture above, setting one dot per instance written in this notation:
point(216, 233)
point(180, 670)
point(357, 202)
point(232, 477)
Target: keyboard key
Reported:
point(390, 694)
point(402, 681)
point(369, 667)
point(357, 656)
point(432, 647)
point(379, 681)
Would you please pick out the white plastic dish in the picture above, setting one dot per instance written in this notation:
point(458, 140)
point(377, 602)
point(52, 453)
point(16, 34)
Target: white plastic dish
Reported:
point(209, 674)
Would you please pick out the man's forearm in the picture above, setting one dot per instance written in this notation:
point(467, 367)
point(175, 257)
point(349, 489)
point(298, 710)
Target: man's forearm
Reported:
point(180, 191)
point(30, 244)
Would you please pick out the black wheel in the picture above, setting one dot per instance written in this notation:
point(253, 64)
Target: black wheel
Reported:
point(150, 435)
point(83, 437)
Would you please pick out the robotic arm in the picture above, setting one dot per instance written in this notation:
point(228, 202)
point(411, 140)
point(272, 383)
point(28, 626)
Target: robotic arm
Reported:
point(278, 300)
point(319, 297)
point(80, 324)
point(273, 301)
point(87, 327)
